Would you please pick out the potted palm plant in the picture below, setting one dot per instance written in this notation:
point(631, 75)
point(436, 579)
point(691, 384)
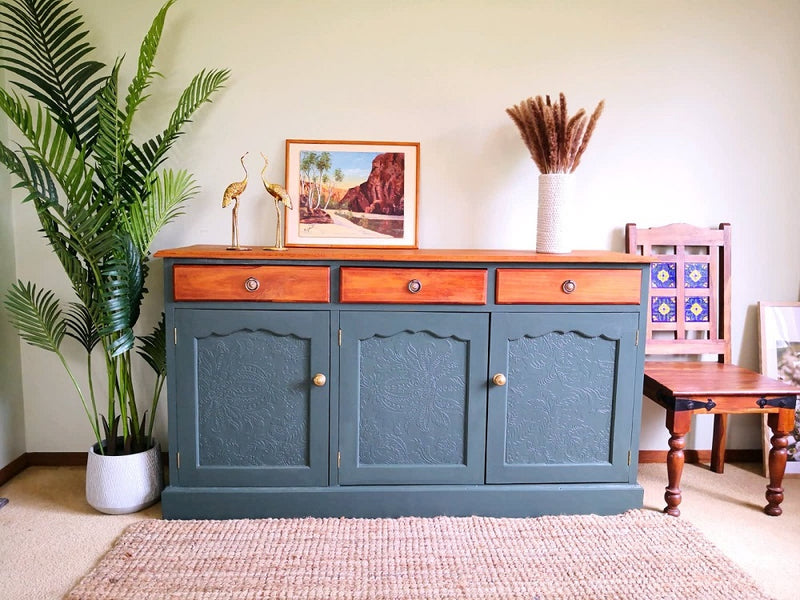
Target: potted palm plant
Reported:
point(101, 198)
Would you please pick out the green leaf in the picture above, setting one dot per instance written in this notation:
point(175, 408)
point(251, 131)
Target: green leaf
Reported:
point(43, 43)
point(146, 158)
point(167, 193)
point(153, 348)
point(80, 326)
point(147, 54)
point(122, 292)
point(113, 136)
point(36, 314)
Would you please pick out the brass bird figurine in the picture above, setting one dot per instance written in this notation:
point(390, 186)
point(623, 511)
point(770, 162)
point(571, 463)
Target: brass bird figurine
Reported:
point(232, 193)
point(280, 196)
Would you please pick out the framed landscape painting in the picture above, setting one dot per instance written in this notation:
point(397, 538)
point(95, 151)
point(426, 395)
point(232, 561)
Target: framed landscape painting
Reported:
point(780, 358)
point(352, 194)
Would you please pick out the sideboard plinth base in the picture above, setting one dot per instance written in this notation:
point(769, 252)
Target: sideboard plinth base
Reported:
point(398, 501)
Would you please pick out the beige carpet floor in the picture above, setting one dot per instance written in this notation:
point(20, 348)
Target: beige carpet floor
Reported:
point(50, 538)
point(639, 554)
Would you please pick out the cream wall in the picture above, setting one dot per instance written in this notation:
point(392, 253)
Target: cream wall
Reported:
point(700, 125)
point(12, 424)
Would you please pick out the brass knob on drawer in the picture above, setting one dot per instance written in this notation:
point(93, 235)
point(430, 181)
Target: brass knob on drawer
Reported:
point(251, 284)
point(414, 286)
point(319, 379)
point(499, 379)
point(569, 286)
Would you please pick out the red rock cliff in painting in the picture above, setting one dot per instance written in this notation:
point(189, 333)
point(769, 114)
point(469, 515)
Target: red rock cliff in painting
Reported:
point(383, 191)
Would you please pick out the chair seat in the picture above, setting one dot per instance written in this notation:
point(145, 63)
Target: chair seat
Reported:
point(721, 381)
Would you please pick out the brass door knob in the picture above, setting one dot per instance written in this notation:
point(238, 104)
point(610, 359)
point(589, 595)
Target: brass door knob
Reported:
point(319, 379)
point(499, 379)
point(251, 284)
point(569, 286)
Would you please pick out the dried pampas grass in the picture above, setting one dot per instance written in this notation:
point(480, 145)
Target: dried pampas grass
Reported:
point(556, 142)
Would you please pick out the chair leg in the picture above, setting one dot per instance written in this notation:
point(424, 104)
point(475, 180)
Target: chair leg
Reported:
point(678, 424)
point(720, 440)
point(781, 424)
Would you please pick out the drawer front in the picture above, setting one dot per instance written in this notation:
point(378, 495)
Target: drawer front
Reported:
point(251, 283)
point(413, 286)
point(568, 286)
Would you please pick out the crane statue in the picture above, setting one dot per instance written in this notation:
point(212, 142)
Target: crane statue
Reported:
point(280, 196)
point(232, 193)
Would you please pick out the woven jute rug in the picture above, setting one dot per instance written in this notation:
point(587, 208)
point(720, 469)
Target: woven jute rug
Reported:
point(639, 555)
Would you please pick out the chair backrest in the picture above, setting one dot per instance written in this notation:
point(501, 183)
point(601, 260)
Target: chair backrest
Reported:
point(690, 288)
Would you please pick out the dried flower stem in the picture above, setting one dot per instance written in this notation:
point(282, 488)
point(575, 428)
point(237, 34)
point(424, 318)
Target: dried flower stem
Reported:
point(555, 141)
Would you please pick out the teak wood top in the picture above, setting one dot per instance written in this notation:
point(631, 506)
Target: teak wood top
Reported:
point(202, 251)
point(697, 378)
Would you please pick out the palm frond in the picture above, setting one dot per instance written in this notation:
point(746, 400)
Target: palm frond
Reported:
point(19, 112)
point(153, 348)
point(123, 276)
point(53, 145)
point(112, 136)
point(36, 314)
point(43, 43)
point(147, 157)
point(167, 193)
point(145, 72)
point(80, 326)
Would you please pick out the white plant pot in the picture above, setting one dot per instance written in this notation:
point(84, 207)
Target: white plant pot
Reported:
point(118, 485)
point(554, 221)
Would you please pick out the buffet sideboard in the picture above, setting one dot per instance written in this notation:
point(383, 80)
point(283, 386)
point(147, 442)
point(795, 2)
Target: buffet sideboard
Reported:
point(374, 382)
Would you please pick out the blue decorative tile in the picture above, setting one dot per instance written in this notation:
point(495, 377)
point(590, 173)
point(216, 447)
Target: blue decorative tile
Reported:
point(663, 309)
point(662, 275)
point(696, 309)
point(695, 275)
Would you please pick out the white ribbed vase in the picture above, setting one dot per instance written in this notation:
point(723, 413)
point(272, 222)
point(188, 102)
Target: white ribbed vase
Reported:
point(554, 221)
point(117, 485)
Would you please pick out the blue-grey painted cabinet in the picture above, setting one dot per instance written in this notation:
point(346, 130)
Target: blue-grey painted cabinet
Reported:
point(252, 415)
point(562, 414)
point(361, 382)
point(412, 397)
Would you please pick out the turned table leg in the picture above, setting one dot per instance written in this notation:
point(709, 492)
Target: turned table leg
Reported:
point(678, 424)
point(781, 424)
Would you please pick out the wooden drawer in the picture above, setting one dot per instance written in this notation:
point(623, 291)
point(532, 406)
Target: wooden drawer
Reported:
point(253, 283)
point(568, 286)
point(396, 286)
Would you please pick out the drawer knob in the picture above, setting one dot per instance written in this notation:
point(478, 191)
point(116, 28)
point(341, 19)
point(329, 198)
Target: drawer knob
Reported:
point(499, 379)
point(251, 284)
point(319, 379)
point(569, 286)
point(414, 286)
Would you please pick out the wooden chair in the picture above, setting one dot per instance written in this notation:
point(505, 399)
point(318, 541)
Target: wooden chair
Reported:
point(689, 315)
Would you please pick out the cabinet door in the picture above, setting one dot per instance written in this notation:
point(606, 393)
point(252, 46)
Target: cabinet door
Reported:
point(248, 411)
point(412, 404)
point(565, 412)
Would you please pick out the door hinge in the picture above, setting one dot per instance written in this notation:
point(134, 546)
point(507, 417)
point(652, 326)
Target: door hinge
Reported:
point(175, 335)
point(178, 460)
point(637, 337)
point(338, 460)
point(340, 337)
point(629, 458)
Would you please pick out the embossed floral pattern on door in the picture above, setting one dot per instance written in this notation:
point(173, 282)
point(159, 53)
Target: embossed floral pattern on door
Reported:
point(253, 406)
point(413, 400)
point(560, 399)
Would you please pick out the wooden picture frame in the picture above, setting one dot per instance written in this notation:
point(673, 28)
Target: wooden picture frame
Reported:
point(352, 194)
point(779, 336)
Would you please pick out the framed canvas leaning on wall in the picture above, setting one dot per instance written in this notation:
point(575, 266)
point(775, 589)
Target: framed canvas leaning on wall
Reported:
point(779, 334)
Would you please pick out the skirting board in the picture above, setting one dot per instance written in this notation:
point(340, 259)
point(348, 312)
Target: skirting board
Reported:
point(49, 459)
